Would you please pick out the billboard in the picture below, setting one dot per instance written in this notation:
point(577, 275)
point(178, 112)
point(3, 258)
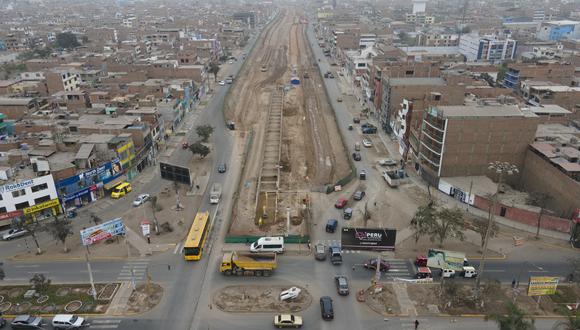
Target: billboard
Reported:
point(175, 173)
point(368, 238)
point(543, 285)
point(103, 231)
point(443, 259)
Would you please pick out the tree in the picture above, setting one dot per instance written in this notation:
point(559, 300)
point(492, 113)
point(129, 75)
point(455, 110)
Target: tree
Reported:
point(572, 322)
point(574, 275)
point(446, 223)
point(199, 149)
point(61, 229)
point(540, 199)
point(154, 208)
point(40, 282)
point(214, 68)
point(480, 226)
point(420, 221)
point(32, 227)
point(67, 40)
point(2, 273)
point(204, 132)
point(513, 319)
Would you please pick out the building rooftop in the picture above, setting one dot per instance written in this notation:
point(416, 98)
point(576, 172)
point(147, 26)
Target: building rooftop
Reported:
point(481, 111)
point(562, 22)
point(15, 101)
point(549, 109)
point(416, 81)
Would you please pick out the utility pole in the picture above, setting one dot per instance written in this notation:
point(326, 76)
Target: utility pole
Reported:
point(469, 196)
point(501, 168)
point(93, 290)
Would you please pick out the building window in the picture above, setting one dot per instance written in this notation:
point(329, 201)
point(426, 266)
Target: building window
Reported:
point(41, 199)
point(1, 198)
point(21, 206)
point(2, 210)
point(39, 187)
point(18, 193)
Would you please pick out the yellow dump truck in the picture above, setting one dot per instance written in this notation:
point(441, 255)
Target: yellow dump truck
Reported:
point(248, 264)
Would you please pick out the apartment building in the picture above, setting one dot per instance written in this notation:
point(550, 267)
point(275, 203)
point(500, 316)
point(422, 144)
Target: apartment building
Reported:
point(557, 72)
point(557, 30)
point(62, 79)
point(540, 93)
point(487, 48)
point(437, 39)
point(462, 140)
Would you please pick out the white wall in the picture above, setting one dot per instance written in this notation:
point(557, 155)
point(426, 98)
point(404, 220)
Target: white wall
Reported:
point(9, 201)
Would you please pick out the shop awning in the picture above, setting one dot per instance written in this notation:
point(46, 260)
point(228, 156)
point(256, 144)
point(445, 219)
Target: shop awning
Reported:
point(115, 182)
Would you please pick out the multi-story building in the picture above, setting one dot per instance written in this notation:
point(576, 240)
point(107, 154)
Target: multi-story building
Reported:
point(487, 48)
point(437, 39)
point(561, 73)
point(463, 140)
point(34, 197)
point(419, 18)
point(62, 79)
point(556, 30)
point(540, 93)
point(367, 40)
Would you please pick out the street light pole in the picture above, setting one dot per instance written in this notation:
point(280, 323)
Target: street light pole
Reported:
point(501, 168)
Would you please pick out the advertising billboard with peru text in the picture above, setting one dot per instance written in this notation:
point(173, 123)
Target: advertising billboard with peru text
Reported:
point(368, 238)
point(103, 231)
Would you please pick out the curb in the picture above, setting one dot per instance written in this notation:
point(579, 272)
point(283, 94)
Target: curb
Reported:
point(503, 257)
point(48, 258)
point(555, 317)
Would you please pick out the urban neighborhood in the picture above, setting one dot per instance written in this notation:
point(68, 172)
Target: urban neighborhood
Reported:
point(315, 164)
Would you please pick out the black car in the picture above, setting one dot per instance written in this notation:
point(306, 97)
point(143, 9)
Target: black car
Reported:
point(26, 322)
point(326, 308)
point(222, 168)
point(342, 285)
point(372, 264)
point(356, 156)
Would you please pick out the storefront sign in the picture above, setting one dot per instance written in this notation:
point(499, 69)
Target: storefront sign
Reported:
point(103, 231)
point(72, 187)
point(543, 285)
point(15, 186)
point(145, 227)
point(76, 195)
point(41, 206)
point(10, 215)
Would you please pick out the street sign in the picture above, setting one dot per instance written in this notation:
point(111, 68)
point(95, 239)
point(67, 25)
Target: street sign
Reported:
point(543, 285)
point(103, 231)
point(145, 227)
point(368, 239)
point(175, 173)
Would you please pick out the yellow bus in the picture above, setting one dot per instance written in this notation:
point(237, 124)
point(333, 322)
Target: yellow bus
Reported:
point(193, 247)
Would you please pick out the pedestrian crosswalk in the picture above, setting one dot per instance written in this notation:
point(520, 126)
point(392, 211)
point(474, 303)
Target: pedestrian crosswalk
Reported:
point(133, 269)
point(105, 323)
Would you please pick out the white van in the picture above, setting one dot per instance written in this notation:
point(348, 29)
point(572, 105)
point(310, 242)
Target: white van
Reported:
point(268, 244)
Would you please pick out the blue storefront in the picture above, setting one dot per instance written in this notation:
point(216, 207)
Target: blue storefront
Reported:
point(88, 186)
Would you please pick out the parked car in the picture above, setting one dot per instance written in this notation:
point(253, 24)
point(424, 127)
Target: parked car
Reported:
point(356, 156)
point(2, 322)
point(369, 130)
point(291, 293)
point(141, 199)
point(326, 308)
point(356, 120)
point(222, 168)
point(362, 175)
point(340, 203)
point(320, 252)
point(342, 285)
point(367, 143)
point(26, 322)
point(372, 264)
point(339, 99)
point(68, 321)
point(358, 195)
point(347, 213)
point(14, 233)
point(387, 162)
point(222, 83)
point(424, 272)
point(287, 321)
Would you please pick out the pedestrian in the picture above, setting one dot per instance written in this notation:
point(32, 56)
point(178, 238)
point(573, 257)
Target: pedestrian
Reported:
point(353, 268)
point(514, 283)
point(416, 324)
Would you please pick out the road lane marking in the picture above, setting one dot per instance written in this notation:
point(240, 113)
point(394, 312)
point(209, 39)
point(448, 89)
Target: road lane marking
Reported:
point(26, 266)
point(106, 321)
point(177, 248)
point(494, 271)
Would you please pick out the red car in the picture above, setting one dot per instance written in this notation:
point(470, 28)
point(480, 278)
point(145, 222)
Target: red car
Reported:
point(372, 264)
point(340, 203)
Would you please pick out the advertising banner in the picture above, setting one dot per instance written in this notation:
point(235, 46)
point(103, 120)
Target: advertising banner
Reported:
point(103, 231)
point(443, 259)
point(368, 238)
point(543, 285)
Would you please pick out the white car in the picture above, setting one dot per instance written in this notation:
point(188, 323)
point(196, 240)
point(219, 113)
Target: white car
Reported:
point(367, 143)
point(141, 199)
point(221, 83)
point(387, 162)
point(291, 293)
point(68, 321)
point(14, 233)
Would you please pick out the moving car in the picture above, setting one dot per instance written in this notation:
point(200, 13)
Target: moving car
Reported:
point(356, 120)
point(14, 233)
point(339, 99)
point(222, 168)
point(362, 175)
point(221, 83)
point(387, 162)
point(141, 199)
point(326, 308)
point(424, 272)
point(372, 264)
point(291, 293)
point(68, 321)
point(287, 321)
point(358, 195)
point(356, 156)
point(340, 203)
point(367, 143)
point(320, 252)
point(121, 190)
point(347, 213)
point(331, 225)
point(26, 322)
point(341, 282)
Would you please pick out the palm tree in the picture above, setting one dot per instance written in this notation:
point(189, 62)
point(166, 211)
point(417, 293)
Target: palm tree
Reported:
point(572, 322)
point(513, 319)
